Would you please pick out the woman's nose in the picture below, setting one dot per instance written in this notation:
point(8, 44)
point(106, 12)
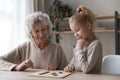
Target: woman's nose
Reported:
point(40, 33)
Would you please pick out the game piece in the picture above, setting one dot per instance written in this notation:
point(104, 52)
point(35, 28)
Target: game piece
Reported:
point(43, 73)
point(54, 74)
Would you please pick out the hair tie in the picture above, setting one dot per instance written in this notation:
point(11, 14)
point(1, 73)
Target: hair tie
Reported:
point(79, 10)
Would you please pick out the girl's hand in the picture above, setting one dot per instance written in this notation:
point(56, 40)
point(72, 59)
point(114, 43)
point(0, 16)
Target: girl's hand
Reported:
point(68, 69)
point(24, 65)
point(81, 44)
point(48, 67)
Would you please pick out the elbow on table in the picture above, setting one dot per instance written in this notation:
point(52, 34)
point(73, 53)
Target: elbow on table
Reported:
point(86, 71)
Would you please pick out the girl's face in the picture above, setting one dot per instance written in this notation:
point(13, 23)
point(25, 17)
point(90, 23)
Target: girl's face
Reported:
point(40, 32)
point(80, 31)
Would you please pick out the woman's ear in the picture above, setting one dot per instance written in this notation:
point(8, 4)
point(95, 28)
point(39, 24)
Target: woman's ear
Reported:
point(31, 35)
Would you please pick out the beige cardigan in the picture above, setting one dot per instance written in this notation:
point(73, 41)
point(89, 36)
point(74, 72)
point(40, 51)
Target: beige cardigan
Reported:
point(89, 59)
point(52, 54)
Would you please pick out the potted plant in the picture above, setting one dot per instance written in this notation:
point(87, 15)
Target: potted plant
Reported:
point(59, 10)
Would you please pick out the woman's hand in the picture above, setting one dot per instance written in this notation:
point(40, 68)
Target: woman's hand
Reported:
point(24, 65)
point(48, 67)
point(68, 68)
point(81, 44)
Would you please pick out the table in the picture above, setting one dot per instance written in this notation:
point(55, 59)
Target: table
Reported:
point(24, 75)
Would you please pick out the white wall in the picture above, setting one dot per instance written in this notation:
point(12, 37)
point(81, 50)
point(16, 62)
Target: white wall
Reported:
point(99, 7)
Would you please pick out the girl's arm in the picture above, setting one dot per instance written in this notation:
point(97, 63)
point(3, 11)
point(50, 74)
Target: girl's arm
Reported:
point(87, 60)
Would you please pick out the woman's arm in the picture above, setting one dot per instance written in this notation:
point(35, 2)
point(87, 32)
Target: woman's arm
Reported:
point(13, 58)
point(10, 60)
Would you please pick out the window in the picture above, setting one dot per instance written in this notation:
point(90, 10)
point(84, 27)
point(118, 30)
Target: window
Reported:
point(12, 16)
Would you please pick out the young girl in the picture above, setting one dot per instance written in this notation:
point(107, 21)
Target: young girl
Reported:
point(87, 55)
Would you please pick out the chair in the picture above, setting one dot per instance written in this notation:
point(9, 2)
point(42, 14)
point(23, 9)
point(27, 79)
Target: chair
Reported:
point(111, 64)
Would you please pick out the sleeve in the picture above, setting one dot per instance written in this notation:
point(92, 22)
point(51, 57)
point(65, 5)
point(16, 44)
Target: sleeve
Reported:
point(86, 62)
point(62, 59)
point(10, 60)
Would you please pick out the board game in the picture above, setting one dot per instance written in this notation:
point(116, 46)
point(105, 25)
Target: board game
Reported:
point(48, 73)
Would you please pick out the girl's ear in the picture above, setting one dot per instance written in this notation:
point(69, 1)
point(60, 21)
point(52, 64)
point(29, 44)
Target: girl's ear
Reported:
point(89, 26)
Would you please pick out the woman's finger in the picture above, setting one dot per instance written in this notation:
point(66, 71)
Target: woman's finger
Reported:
point(50, 67)
point(29, 63)
point(45, 66)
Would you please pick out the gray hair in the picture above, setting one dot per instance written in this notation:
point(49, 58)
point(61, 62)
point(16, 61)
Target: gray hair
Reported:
point(35, 17)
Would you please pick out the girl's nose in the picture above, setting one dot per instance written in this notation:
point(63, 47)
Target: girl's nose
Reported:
point(76, 35)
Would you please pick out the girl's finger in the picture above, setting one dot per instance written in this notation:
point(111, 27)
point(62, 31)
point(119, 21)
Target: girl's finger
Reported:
point(66, 69)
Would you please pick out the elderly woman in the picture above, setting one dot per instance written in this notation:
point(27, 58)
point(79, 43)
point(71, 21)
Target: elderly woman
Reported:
point(40, 52)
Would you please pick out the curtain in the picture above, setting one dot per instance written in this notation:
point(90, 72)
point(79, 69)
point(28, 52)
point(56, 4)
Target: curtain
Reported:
point(12, 19)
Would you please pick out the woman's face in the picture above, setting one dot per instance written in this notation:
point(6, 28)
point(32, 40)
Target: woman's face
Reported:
point(80, 32)
point(40, 32)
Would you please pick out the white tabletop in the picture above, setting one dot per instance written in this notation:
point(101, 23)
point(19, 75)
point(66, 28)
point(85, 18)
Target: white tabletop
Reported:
point(24, 75)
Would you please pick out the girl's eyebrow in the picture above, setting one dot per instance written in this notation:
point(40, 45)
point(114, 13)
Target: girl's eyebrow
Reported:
point(74, 30)
point(77, 29)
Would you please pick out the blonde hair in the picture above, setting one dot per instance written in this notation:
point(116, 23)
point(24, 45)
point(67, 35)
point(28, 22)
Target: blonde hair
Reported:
point(34, 18)
point(82, 16)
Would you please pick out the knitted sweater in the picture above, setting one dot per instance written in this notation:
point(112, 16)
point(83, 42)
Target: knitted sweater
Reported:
point(52, 54)
point(89, 59)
